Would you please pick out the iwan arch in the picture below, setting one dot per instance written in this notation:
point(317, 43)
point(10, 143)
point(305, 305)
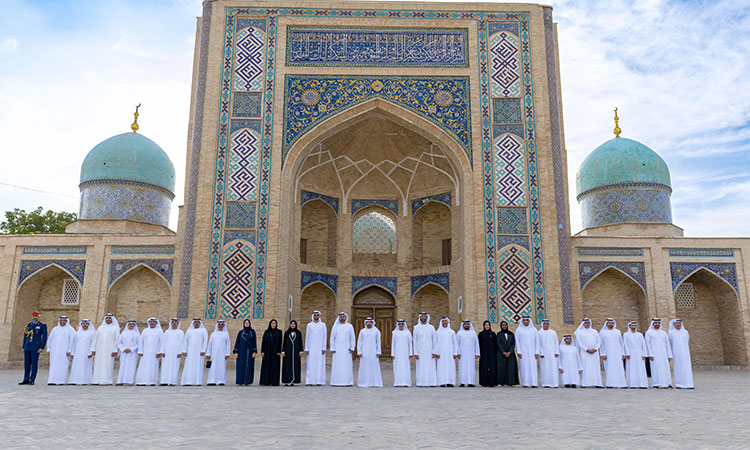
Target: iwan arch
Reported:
point(378, 159)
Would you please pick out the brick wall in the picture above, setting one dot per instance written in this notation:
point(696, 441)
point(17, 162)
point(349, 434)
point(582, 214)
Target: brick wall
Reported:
point(612, 294)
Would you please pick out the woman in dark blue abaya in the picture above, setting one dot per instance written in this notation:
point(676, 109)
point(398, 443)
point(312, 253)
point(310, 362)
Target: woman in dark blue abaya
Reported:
point(245, 347)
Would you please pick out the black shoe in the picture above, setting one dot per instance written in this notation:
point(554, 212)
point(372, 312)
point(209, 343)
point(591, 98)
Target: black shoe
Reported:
point(461, 385)
point(471, 385)
point(31, 382)
point(211, 384)
point(24, 382)
point(51, 384)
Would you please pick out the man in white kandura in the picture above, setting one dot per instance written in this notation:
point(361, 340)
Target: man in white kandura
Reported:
point(569, 363)
point(105, 344)
point(81, 368)
point(401, 352)
point(679, 340)
point(218, 351)
point(368, 350)
point(315, 349)
point(194, 351)
point(587, 340)
point(149, 349)
point(171, 353)
point(659, 355)
point(526, 351)
point(467, 344)
point(128, 343)
point(424, 352)
point(445, 353)
point(548, 350)
point(613, 353)
point(635, 357)
point(60, 347)
point(342, 348)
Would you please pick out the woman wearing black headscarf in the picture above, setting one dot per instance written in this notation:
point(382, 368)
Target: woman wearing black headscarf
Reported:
point(487, 356)
point(270, 350)
point(291, 353)
point(245, 347)
point(507, 366)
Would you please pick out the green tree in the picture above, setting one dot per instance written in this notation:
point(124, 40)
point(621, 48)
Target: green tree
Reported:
point(37, 221)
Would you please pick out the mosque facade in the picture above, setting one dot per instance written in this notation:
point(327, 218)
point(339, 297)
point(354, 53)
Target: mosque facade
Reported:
point(380, 159)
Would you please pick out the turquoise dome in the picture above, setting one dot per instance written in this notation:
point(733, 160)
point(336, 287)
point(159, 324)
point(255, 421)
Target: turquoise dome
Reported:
point(621, 161)
point(129, 157)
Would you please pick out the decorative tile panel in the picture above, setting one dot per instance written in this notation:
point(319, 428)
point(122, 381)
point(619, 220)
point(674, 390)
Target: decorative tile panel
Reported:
point(237, 284)
point(142, 249)
point(588, 270)
point(243, 165)
point(626, 206)
point(241, 235)
point(510, 170)
point(310, 99)
point(440, 198)
point(75, 268)
point(374, 233)
point(506, 111)
point(240, 215)
point(125, 201)
point(390, 284)
point(381, 47)
point(702, 252)
point(511, 220)
point(308, 278)
point(439, 279)
point(514, 274)
point(54, 250)
point(521, 241)
point(119, 267)
point(725, 271)
point(609, 251)
point(505, 65)
point(247, 104)
point(306, 196)
point(248, 71)
point(391, 205)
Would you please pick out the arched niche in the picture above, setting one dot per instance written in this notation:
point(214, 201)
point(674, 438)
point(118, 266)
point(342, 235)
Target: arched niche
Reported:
point(319, 233)
point(613, 294)
point(139, 294)
point(41, 292)
point(433, 300)
point(374, 237)
point(317, 296)
point(431, 225)
point(715, 322)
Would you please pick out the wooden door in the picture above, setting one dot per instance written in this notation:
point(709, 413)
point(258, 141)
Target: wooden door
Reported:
point(385, 320)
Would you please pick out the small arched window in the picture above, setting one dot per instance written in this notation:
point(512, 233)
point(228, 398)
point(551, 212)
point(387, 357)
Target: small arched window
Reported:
point(374, 232)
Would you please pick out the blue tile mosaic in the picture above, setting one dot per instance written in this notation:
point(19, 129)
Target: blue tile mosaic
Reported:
point(308, 278)
point(119, 267)
point(54, 250)
point(240, 215)
point(420, 202)
point(391, 205)
point(588, 270)
point(306, 196)
point(439, 279)
point(388, 283)
point(725, 271)
point(247, 104)
point(75, 268)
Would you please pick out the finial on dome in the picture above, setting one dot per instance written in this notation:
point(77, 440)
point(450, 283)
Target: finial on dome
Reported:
point(617, 129)
point(134, 127)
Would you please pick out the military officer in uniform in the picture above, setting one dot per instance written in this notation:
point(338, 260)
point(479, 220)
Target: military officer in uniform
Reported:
point(34, 341)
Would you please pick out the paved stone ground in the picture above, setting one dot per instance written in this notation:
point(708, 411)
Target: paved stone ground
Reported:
point(715, 415)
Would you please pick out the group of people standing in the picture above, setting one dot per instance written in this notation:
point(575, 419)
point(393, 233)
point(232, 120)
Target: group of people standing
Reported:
point(87, 355)
point(576, 360)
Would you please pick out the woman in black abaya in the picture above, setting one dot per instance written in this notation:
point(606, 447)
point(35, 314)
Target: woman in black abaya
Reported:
point(270, 350)
point(291, 354)
point(487, 356)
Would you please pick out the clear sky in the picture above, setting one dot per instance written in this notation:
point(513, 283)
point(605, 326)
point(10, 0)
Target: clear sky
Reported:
point(71, 72)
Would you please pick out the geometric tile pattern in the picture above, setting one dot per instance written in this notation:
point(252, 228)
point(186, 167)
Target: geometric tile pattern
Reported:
point(119, 267)
point(310, 99)
point(243, 166)
point(511, 220)
point(306, 196)
point(193, 163)
point(521, 241)
point(388, 283)
point(496, 27)
point(248, 71)
point(55, 250)
point(121, 201)
point(439, 279)
point(625, 205)
point(440, 198)
point(391, 205)
point(725, 271)
point(514, 273)
point(588, 270)
point(142, 249)
point(241, 235)
point(506, 74)
point(237, 281)
point(383, 47)
point(374, 233)
point(702, 252)
point(506, 110)
point(558, 170)
point(76, 268)
point(247, 104)
point(308, 278)
point(510, 171)
point(240, 215)
point(609, 251)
